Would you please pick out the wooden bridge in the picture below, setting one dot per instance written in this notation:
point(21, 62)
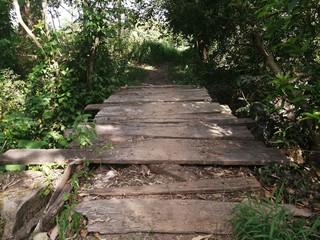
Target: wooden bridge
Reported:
point(152, 126)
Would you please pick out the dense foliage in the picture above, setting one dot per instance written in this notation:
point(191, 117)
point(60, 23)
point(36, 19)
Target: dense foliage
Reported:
point(260, 57)
point(50, 74)
point(272, 46)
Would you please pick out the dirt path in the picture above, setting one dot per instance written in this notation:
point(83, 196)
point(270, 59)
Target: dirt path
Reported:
point(157, 75)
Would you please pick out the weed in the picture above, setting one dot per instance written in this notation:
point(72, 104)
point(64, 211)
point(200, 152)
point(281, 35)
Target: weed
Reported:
point(151, 231)
point(83, 131)
point(50, 177)
point(299, 183)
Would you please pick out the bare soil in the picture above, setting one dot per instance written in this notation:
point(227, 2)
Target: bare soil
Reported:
point(157, 75)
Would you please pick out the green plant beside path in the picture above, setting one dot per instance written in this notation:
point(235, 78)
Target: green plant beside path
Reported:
point(266, 220)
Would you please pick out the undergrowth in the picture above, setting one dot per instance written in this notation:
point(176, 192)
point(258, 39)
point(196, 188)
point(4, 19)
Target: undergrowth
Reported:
point(264, 219)
point(69, 221)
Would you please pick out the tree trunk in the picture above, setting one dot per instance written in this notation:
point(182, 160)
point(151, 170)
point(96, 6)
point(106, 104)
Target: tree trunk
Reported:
point(23, 24)
point(91, 63)
point(270, 61)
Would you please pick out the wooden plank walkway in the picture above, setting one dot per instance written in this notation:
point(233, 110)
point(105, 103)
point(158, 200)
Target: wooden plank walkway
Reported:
point(171, 124)
point(162, 125)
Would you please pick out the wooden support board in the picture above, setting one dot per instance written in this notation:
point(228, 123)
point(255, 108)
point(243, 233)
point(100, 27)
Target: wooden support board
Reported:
point(157, 112)
point(191, 130)
point(155, 151)
point(219, 185)
point(165, 108)
point(170, 94)
point(159, 216)
point(120, 216)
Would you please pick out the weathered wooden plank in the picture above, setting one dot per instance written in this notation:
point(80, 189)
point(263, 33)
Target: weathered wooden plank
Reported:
point(156, 98)
point(162, 216)
point(157, 90)
point(224, 185)
point(161, 108)
point(41, 156)
point(190, 130)
point(159, 216)
point(159, 86)
point(159, 95)
point(165, 112)
point(218, 119)
point(155, 151)
point(187, 151)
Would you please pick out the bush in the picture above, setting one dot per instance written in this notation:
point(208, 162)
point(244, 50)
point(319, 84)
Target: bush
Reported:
point(13, 92)
point(153, 53)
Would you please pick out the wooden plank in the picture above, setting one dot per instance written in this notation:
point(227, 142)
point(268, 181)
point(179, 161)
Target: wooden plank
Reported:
point(224, 185)
point(191, 130)
point(164, 112)
point(159, 216)
point(176, 94)
point(159, 86)
point(156, 98)
point(221, 119)
point(187, 151)
point(155, 151)
point(41, 156)
point(162, 107)
point(156, 90)
point(218, 119)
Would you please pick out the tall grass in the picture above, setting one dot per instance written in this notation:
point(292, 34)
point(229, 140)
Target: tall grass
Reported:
point(153, 53)
point(267, 220)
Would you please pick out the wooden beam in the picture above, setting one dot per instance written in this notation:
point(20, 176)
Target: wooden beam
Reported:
point(159, 216)
point(223, 185)
point(155, 151)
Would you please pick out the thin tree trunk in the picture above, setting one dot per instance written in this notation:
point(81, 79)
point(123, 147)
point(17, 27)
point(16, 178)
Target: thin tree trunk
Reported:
point(22, 23)
point(268, 57)
point(91, 63)
point(45, 15)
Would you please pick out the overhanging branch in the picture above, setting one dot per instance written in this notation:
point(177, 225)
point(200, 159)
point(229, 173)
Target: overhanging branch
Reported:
point(268, 57)
point(22, 23)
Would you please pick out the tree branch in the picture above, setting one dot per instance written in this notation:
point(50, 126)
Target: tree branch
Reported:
point(22, 23)
point(270, 61)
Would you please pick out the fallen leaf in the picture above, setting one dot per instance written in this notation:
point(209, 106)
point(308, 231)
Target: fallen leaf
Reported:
point(145, 171)
point(201, 196)
point(206, 237)
point(54, 233)
point(97, 235)
point(40, 236)
point(84, 233)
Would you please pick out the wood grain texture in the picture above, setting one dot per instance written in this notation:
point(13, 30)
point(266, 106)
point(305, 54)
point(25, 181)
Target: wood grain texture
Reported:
point(160, 216)
point(155, 151)
point(201, 186)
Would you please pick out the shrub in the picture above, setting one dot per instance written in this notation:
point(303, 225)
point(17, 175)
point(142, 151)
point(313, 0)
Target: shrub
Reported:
point(13, 92)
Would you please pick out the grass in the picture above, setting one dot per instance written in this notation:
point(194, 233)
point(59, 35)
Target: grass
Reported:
point(266, 220)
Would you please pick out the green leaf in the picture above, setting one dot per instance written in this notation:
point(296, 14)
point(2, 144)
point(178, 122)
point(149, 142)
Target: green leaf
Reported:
point(292, 5)
point(31, 144)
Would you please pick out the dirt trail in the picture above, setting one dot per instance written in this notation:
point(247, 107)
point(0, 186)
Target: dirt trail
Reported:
point(158, 75)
